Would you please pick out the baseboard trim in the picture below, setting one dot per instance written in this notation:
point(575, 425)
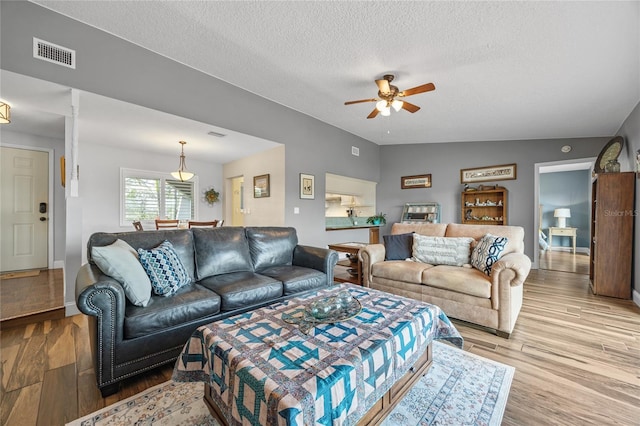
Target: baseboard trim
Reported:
point(71, 309)
point(636, 298)
point(58, 264)
point(584, 250)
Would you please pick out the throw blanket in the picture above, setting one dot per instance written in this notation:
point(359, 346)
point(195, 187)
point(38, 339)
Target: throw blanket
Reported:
point(264, 370)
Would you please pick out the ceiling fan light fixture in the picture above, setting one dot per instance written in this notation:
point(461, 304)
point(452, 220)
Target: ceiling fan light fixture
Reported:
point(386, 112)
point(397, 105)
point(182, 174)
point(381, 105)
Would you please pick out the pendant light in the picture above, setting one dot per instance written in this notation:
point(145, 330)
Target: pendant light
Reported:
point(182, 174)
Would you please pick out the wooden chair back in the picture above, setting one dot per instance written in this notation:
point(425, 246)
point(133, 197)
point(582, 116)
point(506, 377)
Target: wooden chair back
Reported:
point(221, 222)
point(137, 225)
point(209, 224)
point(167, 223)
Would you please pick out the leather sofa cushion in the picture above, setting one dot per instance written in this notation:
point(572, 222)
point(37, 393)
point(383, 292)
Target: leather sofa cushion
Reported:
point(270, 246)
point(296, 278)
point(190, 303)
point(221, 251)
point(400, 270)
point(243, 289)
point(455, 278)
point(181, 239)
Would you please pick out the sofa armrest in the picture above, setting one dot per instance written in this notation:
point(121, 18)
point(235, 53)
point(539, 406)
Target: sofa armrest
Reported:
point(101, 296)
point(321, 259)
point(368, 256)
point(519, 263)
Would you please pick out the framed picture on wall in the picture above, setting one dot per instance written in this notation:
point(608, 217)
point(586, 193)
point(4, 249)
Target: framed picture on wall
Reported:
point(261, 186)
point(307, 186)
point(488, 174)
point(415, 181)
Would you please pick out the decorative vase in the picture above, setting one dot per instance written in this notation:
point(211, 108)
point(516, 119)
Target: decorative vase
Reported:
point(376, 222)
point(612, 166)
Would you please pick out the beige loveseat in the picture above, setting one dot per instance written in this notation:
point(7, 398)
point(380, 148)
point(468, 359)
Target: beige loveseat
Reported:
point(462, 292)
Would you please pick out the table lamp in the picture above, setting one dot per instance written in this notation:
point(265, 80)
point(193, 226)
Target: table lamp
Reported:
point(562, 215)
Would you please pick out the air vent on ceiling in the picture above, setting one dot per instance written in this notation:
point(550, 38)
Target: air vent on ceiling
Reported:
point(53, 53)
point(216, 134)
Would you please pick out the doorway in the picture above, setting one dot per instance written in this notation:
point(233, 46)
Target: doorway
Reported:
point(237, 201)
point(24, 217)
point(563, 215)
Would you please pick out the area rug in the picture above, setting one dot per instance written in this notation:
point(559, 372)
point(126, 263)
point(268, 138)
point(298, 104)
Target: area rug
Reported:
point(460, 388)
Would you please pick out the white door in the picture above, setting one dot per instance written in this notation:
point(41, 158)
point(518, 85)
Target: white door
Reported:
point(24, 209)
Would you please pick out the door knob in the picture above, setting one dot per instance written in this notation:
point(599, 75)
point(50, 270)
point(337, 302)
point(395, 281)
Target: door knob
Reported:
point(42, 219)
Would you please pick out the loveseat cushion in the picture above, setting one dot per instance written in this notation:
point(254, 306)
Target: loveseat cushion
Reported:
point(400, 270)
point(243, 289)
point(271, 246)
point(461, 280)
point(221, 251)
point(190, 303)
point(296, 279)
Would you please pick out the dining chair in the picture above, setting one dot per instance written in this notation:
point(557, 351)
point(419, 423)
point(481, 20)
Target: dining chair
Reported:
point(137, 225)
point(220, 223)
point(209, 224)
point(167, 223)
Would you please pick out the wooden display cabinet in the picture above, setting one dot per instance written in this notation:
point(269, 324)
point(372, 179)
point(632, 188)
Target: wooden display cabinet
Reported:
point(484, 206)
point(612, 216)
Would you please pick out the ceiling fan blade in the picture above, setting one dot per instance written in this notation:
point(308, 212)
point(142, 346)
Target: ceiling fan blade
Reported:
point(360, 101)
point(420, 89)
point(410, 107)
point(373, 113)
point(383, 86)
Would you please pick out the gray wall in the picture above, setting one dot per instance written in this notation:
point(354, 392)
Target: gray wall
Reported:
point(567, 190)
point(630, 130)
point(444, 162)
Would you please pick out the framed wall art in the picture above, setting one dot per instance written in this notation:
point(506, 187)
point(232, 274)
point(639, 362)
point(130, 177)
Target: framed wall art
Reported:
point(261, 186)
point(307, 186)
point(488, 174)
point(416, 181)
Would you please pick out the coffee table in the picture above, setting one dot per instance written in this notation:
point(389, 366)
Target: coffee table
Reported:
point(259, 369)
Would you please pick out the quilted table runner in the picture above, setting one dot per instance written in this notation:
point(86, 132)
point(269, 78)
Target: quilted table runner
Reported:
point(266, 371)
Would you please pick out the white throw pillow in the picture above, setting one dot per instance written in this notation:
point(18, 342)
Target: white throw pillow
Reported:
point(453, 251)
point(120, 261)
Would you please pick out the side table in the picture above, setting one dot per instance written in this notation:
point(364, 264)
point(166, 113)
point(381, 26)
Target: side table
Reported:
point(340, 272)
point(562, 232)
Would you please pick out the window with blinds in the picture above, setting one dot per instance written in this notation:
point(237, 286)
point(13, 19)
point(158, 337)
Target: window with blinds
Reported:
point(148, 195)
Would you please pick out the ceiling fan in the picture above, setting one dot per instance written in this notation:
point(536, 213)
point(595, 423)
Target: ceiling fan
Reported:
point(387, 94)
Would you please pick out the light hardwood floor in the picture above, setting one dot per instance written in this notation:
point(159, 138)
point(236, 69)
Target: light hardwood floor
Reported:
point(577, 360)
point(31, 292)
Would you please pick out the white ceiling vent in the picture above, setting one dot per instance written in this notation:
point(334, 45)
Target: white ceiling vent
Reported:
point(53, 53)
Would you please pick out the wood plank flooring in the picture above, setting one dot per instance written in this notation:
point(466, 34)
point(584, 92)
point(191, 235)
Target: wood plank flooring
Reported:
point(577, 360)
point(25, 295)
point(564, 261)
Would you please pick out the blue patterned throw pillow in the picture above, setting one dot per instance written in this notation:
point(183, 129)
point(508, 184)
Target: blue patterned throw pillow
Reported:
point(164, 268)
point(488, 252)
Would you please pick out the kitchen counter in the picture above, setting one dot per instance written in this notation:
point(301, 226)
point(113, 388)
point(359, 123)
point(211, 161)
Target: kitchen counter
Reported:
point(346, 223)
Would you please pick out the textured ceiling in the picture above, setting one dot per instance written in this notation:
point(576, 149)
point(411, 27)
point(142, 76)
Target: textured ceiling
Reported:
point(502, 70)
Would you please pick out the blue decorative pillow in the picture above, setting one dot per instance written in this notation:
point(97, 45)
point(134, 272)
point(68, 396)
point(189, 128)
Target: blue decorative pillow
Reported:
point(398, 246)
point(488, 252)
point(164, 268)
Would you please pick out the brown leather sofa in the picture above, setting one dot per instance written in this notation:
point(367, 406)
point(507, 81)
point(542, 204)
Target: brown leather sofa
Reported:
point(464, 293)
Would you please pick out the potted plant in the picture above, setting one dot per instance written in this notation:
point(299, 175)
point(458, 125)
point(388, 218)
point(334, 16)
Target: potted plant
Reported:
point(378, 219)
